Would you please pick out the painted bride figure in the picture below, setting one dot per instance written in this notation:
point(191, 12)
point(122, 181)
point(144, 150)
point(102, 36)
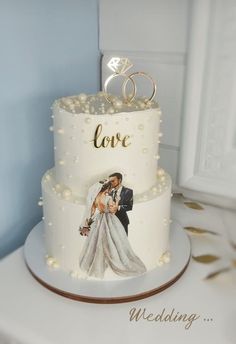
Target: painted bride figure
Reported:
point(106, 244)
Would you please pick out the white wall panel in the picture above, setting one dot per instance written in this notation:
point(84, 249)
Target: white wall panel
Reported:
point(208, 148)
point(138, 25)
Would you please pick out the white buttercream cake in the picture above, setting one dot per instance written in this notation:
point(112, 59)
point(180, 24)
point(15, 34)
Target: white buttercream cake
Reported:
point(106, 203)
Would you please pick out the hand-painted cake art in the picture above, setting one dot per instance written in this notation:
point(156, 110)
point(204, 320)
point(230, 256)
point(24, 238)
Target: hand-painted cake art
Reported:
point(106, 202)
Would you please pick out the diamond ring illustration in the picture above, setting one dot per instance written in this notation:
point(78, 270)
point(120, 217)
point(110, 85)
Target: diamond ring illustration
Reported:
point(120, 65)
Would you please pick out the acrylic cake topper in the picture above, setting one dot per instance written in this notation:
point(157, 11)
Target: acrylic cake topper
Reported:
point(120, 65)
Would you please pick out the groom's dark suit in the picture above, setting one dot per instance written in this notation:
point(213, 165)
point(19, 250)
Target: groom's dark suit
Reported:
point(125, 204)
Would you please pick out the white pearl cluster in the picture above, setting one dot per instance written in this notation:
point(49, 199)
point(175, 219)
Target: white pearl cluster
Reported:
point(163, 182)
point(164, 259)
point(61, 191)
point(60, 131)
point(52, 262)
point(40, 202)
point(98, 104)
point(166, 221)
point(47, 177)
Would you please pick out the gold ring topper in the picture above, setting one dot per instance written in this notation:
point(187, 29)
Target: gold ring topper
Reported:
point(120, 65)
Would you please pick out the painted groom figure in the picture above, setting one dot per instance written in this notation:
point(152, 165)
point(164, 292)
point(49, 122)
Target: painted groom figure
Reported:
point(125, 197)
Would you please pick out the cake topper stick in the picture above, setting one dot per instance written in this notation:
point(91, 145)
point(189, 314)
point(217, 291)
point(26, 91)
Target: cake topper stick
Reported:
point(120, 65)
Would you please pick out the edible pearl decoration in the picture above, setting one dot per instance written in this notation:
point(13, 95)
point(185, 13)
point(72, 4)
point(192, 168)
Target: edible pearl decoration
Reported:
point(117, 104)
point(47, 177)
point(55, 265)
point(66, 193)
point(60, 131)
point(50, 261)
point(163, 178)
point(49, 223)
point(82, 97)
point(40, 203)
point(61, 162)
point(166, 259)
point(165, 221)
point(51, 128)
point(58, 187)
point(160, 172)
point(145, 150)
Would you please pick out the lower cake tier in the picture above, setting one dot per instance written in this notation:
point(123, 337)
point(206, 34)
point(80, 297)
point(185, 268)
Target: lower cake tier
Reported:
point(148, 230)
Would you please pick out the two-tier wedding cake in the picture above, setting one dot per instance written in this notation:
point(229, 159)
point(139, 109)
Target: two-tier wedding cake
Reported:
point(106, 203)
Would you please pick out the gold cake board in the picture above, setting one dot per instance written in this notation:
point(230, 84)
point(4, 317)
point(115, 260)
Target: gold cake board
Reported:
point(114, 291)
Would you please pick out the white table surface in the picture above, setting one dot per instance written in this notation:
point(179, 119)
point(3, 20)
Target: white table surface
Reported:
point(29, 313)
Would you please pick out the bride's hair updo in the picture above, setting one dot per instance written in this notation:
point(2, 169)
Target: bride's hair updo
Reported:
point(105, 186)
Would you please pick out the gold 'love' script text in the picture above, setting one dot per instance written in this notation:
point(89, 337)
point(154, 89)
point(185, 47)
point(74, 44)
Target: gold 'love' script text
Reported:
point(109, 141)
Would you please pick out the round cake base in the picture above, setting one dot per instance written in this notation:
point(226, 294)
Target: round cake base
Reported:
point(117, 291)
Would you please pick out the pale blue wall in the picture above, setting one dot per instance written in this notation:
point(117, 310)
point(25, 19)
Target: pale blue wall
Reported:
point(48, 49)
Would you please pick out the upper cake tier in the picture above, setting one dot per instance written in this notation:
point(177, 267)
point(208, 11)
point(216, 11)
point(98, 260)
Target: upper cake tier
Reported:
point(93, 138)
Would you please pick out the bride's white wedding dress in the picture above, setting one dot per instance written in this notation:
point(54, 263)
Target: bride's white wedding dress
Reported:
point(107, 245)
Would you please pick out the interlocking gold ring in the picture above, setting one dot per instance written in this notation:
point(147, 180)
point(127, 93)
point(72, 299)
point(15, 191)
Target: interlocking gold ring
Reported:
point(130, 77)
point(127, 78)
